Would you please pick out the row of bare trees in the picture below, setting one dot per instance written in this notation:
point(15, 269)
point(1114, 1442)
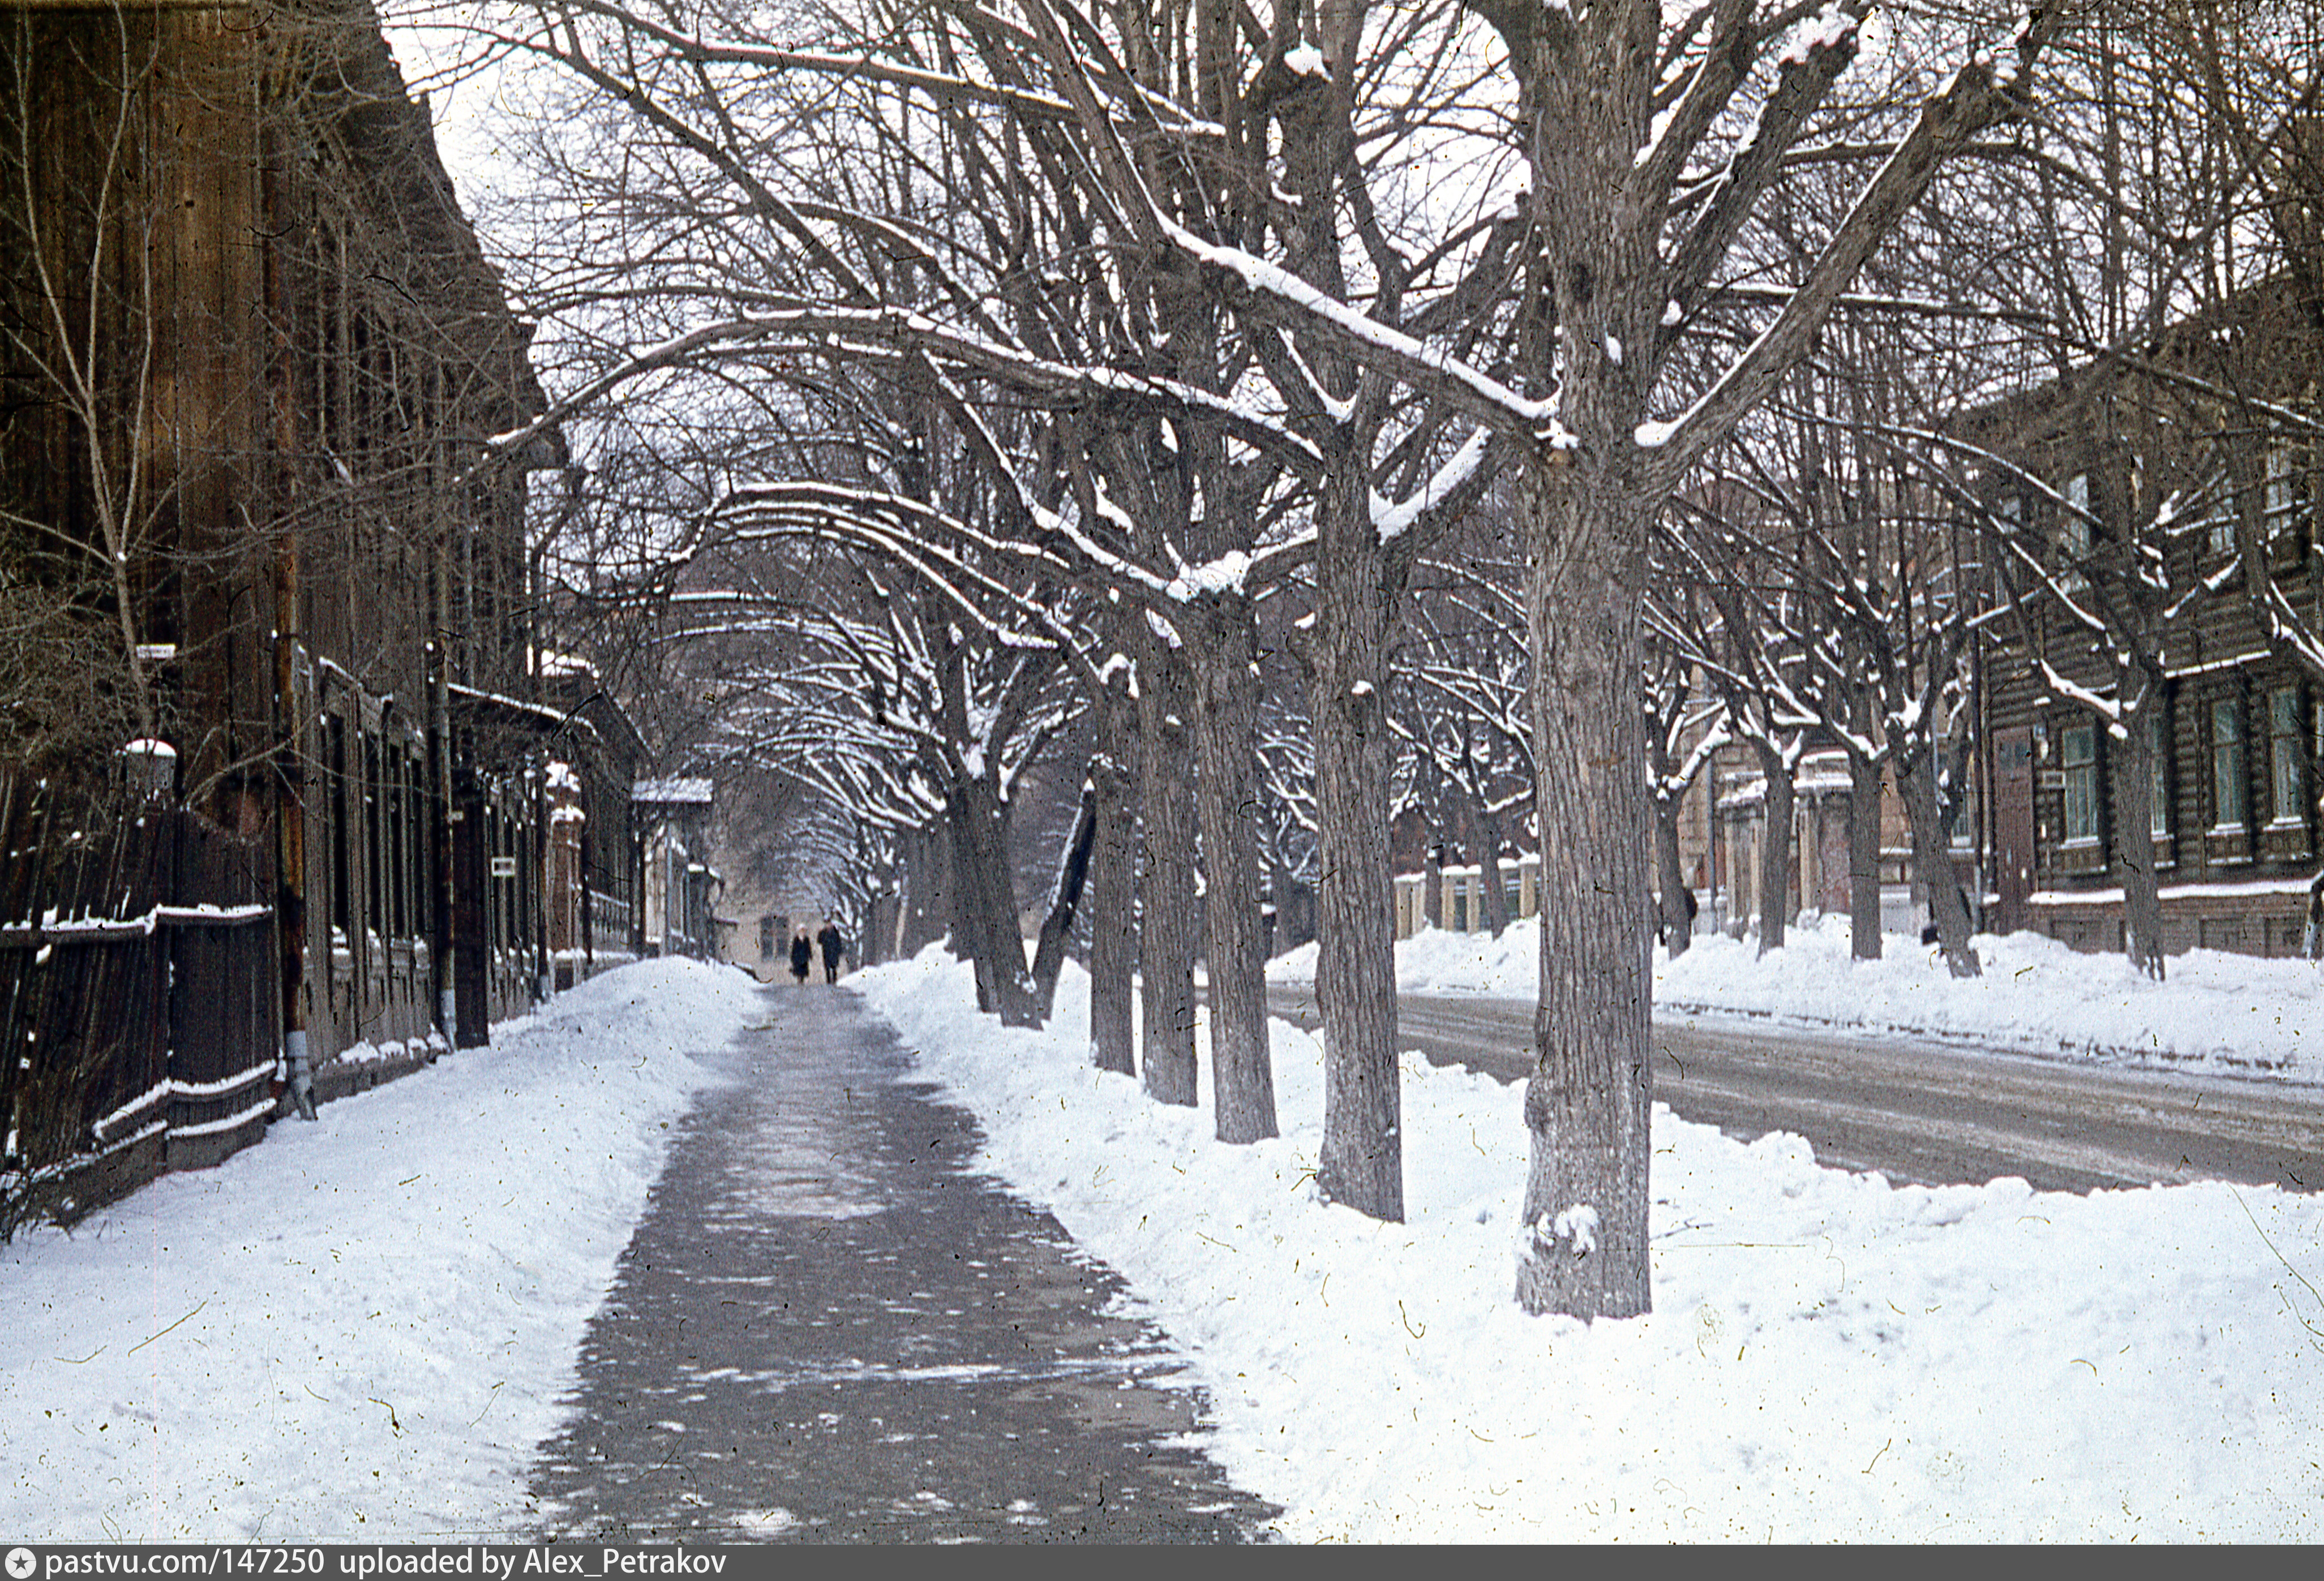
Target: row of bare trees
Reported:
point(995, 376)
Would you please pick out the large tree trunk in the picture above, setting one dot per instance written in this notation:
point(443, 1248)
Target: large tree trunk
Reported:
point(1774, 848)
point(1676, 920)
point(1361, 1163)
point(927, 889)
point(1113, 890)
point(1294, 907)
point(2132, 784)
point(1595, 298)
point(1932, 859)
point(987, 899)
point(1588, 1103)
point(1226, 728)
point(1169, 915)
point(1863, 857)
point(1485, 847)
point(881, 911)
point(1064, 905)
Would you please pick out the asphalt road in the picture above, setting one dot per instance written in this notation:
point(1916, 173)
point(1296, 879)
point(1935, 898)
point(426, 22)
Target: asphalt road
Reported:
point(1922, 1113)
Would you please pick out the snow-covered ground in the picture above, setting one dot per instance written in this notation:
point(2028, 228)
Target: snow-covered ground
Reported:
point(361, 1330)
point(1830, 1357)
point(2229, 1014)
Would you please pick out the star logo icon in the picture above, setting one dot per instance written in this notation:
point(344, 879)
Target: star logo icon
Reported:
point(20, 1563)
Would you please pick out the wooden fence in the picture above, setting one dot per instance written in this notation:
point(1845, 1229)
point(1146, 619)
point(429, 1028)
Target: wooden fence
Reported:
point(138, 993)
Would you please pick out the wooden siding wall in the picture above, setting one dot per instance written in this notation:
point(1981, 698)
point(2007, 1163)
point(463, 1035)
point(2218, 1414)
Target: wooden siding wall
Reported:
point(297, 354)
point(130, 232)
point(2226, 884)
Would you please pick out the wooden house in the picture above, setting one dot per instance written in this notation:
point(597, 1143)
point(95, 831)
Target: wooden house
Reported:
point(252, 363)
point(2171, 495)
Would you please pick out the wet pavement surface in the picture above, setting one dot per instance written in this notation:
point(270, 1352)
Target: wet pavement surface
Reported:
point(824, 1330)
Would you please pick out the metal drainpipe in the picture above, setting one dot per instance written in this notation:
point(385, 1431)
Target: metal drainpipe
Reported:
point(448, 810)
point(290, 832)
point(290, 778)
point(544, 854)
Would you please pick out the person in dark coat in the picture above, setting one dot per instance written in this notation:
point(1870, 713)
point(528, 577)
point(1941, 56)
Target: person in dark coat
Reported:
point(833, 943)
point(802, 955)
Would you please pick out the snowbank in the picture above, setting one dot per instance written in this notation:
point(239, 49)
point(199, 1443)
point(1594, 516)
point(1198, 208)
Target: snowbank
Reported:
point(359, 1330)
point(1831, 1358)
point(2226, 1013)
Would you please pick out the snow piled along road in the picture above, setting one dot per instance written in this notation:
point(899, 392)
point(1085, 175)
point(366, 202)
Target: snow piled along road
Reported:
point(2226, 1013)
point(359, 1330)
point(1830, 1357)
point(362, 1330)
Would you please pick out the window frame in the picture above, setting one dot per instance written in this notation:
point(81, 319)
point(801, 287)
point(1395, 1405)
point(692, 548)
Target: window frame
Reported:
point(2231, 791)
point(2158, 764)
point(2075, 537)
point(2287, 758)
point(2079, 785)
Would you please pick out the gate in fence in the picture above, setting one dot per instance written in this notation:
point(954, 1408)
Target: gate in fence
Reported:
point(138, 994)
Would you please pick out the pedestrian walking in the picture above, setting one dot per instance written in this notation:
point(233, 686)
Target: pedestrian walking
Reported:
point(802, 955)
point(833, 944)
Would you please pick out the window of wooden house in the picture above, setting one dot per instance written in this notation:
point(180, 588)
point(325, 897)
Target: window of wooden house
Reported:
point(531, 901)
point(2287, 757)
point(1958, 794)
point(334, 764)
point(406, 841)
point(504, 889)
point(2074, 534)
point(415, 848)
point(2078, 755)
point(511, 905)
point(2230, 804)
point(375, 807)
point(2219, 536)
point(2283, 501)
point(488, 841)
point(2158, 757)
point(398, 843)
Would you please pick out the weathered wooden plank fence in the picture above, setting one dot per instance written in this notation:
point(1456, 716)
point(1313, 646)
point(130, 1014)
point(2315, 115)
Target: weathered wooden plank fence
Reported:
point(137, 997)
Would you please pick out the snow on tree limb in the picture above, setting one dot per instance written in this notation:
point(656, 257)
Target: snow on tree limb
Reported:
point(1976, 97)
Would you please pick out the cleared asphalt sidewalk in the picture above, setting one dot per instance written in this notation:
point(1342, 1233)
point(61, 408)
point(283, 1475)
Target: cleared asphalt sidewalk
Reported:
point(824, 1329)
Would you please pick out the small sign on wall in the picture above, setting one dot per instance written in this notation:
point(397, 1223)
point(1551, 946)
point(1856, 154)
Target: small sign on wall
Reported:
point(504, 867)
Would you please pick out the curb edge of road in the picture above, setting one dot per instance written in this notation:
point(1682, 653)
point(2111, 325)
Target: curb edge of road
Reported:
point(2093, 1052)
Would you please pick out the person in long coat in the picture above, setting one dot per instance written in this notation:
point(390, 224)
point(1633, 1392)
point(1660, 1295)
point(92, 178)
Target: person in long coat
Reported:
point(833, 944)
point(802, 955)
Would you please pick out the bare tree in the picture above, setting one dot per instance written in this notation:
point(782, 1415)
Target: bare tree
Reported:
point(1684, 730)
point(1649, 143)
point(1638, 192)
